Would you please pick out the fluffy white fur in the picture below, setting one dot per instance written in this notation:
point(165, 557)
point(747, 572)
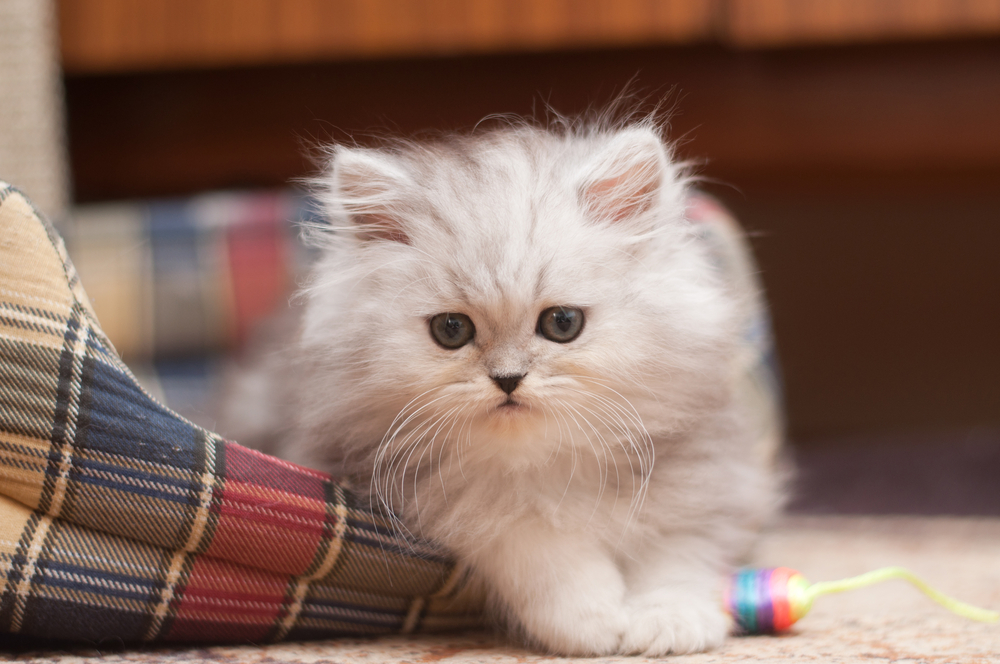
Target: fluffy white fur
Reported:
point(604, 508)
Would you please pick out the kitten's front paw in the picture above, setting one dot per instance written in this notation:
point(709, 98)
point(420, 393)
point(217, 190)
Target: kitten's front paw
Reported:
point(581, 628)
point(674, 622)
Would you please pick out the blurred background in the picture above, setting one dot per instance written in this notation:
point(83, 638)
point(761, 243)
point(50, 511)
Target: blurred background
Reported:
point(857, 140)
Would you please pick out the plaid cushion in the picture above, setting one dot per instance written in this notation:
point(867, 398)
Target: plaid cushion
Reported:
point(120, 519)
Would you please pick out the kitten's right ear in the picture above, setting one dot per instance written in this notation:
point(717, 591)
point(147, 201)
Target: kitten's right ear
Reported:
point(626, 177)
point(367, 187)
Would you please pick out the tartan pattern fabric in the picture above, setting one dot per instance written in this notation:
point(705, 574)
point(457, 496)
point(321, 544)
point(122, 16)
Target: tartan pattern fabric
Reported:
point(119, 519)
point(186, 277)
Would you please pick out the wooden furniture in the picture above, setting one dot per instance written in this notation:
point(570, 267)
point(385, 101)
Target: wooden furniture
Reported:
point(100, 36)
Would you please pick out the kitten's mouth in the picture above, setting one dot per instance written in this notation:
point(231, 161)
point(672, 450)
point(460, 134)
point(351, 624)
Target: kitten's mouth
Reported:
point(509, 417)
point(510, 405)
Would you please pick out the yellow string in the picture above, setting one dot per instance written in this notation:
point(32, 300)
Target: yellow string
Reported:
point(886, 573)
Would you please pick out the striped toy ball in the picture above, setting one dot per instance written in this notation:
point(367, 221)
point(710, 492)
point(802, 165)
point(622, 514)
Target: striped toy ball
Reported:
point(767, 600)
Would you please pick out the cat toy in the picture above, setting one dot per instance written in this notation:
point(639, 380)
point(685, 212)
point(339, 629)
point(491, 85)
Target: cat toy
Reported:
point(772, 599)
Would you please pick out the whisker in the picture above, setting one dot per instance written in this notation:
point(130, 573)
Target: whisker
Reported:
point(572, 451)
point(603, 476)
point(635, 439)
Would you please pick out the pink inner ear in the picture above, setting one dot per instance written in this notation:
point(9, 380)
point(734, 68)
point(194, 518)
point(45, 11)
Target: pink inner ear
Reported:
point(380, 227)
point(625, 195)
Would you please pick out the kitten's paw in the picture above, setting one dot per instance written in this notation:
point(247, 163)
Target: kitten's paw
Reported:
point(583, 629)
point(674, 622)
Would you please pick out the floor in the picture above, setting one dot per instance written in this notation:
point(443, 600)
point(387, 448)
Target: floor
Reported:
point(887, 623)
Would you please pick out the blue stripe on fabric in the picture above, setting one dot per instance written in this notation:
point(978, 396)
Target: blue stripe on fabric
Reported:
point(92, 578)
point(124, 421)
point(391, 547)
point(306, 613)
point(398, 542)
point(125, 487)
point(138, 474)
point(97, 345)
point(371, 527)
point(347, 606)
point(179, 315)
point(386, 532)
point(391, 535)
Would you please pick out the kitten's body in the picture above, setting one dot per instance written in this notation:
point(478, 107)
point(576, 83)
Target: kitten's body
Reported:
point(603, 499)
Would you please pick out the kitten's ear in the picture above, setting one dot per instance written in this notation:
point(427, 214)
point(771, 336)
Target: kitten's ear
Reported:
point(368, 186)
point(625, 178)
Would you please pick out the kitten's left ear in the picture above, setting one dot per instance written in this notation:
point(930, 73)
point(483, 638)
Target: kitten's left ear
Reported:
point(625, 179)
point(368, 186)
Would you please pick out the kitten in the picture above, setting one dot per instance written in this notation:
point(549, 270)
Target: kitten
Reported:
point(518, 341)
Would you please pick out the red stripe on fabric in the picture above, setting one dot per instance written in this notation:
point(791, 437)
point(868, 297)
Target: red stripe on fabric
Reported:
point(276, 520)
point(269, 534)
point(222, 601)
point(267, 547)
point(253, 467)
point(258, 261)
point(271, 507)
point(212, 604)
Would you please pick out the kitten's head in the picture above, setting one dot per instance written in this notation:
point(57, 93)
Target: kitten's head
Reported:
point(510, 294)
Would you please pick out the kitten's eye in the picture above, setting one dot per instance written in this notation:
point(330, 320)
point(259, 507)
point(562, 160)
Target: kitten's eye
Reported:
point(560, 324)
point(452, 330)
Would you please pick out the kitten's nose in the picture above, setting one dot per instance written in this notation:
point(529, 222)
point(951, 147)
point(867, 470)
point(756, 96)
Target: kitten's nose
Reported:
point(507, 383)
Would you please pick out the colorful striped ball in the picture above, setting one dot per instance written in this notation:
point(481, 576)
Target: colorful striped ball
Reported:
point(767, 600)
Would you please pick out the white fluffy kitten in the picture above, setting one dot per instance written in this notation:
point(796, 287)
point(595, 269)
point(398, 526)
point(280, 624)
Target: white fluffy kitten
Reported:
point(516, 340)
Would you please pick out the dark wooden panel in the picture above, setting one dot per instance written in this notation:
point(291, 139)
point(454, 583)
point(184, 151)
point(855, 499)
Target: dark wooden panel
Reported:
point(125, 35)
point(876, 109)
point(886, 303)
point(768, 23)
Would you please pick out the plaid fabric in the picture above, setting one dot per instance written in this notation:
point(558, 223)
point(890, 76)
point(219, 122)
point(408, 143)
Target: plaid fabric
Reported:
point(119, 519)
point(179, 278)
